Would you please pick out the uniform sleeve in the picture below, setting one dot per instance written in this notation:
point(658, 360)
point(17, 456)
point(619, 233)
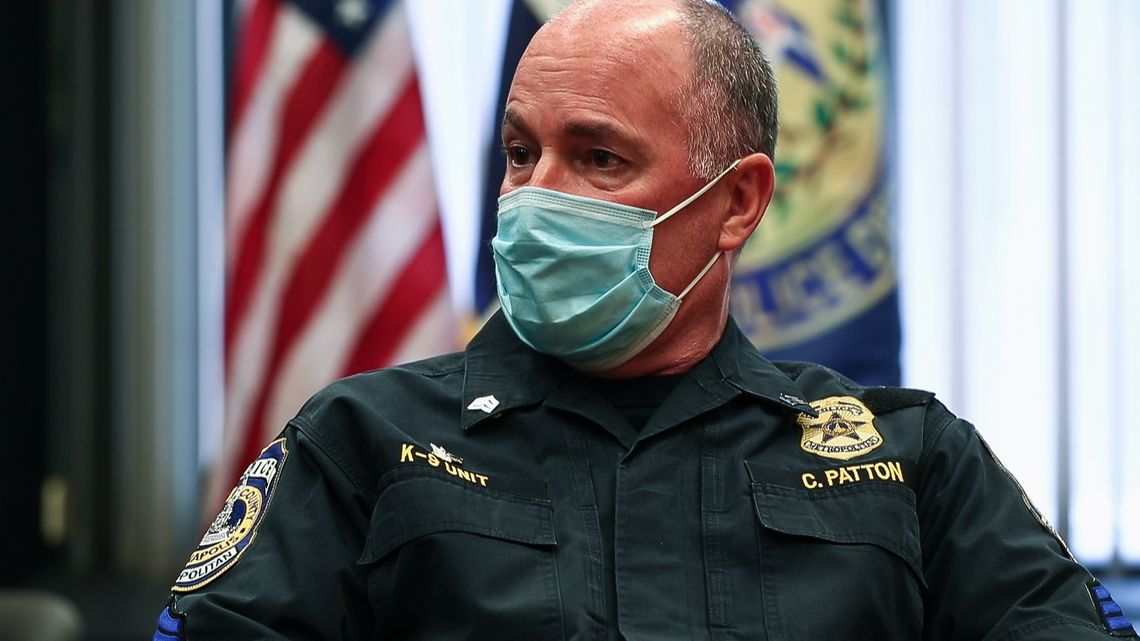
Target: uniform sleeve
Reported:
point(297, 578)
point(995, 569)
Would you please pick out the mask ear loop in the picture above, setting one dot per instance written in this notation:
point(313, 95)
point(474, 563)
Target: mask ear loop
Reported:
point(700, 192)
point(701, 275)
point(684, 203)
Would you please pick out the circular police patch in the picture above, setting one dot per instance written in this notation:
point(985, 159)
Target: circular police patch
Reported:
point(235, 526)
point(844, 429)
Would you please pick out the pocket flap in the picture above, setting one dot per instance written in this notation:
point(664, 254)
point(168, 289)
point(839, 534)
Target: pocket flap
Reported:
point(881, 514)
point(418, 506)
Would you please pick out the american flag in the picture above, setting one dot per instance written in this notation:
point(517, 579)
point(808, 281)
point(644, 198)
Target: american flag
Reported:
point(335, 256)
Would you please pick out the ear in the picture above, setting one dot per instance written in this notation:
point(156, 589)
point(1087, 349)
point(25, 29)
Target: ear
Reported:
point(753, 183)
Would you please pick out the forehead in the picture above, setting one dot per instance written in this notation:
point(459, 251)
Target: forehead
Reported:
point(626, 67)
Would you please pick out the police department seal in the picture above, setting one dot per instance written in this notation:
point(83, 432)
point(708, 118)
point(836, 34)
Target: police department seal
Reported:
point(236, 525)
point(822, 255)
point(844, 429)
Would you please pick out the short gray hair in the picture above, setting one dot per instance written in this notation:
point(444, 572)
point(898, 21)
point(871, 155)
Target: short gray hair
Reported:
point(729, 103)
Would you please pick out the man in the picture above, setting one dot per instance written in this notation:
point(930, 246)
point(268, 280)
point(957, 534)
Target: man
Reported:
point(610, 458)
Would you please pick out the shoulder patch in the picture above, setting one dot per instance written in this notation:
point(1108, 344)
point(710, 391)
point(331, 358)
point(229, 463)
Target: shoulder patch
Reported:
point(236, 525)
point(844, 429)
point(1115, 622)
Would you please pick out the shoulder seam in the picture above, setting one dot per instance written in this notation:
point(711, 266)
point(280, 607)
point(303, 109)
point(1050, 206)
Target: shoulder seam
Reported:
point(444, 372)
point(435, 373)
point(429, 373)
point(417, 368)
point(330, 451)
point(937, 434)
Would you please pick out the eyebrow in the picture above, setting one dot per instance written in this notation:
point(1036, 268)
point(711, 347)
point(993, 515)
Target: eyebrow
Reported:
point(512, 119)
point(586, 129)
point(594, 130)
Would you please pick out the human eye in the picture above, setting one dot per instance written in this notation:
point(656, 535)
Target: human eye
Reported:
point(518, 155)
point(603, 159)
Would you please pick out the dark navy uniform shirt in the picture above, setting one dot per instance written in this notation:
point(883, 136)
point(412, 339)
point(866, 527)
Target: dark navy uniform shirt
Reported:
point(493, 494)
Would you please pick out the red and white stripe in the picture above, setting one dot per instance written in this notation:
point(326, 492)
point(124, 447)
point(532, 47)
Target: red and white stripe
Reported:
point(335, 254)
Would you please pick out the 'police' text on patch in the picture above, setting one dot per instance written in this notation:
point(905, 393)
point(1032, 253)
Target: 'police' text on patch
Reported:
point(843, 430)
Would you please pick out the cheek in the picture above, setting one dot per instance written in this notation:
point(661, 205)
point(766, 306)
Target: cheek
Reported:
point(514, 177)
point(681, 248)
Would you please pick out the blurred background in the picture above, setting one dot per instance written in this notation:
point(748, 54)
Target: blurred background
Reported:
point(220, 206)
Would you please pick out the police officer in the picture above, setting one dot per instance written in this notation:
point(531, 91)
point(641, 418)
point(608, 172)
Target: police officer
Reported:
point(610, 458)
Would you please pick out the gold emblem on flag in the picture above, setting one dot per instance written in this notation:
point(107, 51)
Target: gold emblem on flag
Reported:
point(844, 429)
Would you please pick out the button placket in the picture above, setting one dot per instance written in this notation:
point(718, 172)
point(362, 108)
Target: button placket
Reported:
point(719, 594)
point(588, 510)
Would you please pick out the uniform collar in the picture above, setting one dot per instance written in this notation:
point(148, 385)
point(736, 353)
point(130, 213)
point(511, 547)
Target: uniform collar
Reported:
point(503, 373)
point(736, 360)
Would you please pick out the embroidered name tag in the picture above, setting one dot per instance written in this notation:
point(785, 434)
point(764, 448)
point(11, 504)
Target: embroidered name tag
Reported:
point(859, 473)
point(441, 458)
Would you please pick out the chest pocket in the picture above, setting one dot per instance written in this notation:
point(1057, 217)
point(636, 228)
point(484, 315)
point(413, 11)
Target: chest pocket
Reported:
point(843, 561)
point(452, 561)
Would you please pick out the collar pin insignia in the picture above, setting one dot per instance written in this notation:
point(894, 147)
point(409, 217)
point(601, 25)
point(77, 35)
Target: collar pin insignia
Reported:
point(485, 403)
point(793, 400)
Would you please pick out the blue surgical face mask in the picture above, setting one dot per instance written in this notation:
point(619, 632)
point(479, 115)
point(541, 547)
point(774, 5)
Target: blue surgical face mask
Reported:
point(573, 275)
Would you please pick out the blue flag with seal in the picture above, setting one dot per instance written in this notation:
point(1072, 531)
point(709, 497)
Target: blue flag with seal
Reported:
point(817, 281)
